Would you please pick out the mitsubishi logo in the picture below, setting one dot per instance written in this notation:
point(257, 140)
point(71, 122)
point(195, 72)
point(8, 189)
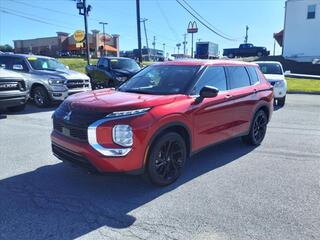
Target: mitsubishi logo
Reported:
point(67, 116)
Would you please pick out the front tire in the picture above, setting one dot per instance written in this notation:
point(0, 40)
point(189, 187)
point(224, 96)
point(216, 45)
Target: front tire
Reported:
point(41, 97)
point(257, 130)
point(166, 159)
point(281, 101)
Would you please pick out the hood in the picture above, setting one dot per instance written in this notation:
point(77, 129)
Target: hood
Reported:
point(274, 77)
point(64, 74)
point(125, 72)
point(109, 100)
point(9, 74)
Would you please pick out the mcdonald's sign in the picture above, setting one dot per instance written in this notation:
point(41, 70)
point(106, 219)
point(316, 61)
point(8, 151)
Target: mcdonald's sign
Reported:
point(192, 27)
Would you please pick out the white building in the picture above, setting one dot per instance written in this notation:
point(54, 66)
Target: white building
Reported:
point(301, 36)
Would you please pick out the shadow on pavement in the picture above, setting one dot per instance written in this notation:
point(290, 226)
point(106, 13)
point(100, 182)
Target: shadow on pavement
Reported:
point(31, 108)
point(62, 202)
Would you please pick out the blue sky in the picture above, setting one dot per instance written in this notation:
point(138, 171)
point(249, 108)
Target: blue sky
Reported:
point(166, 20)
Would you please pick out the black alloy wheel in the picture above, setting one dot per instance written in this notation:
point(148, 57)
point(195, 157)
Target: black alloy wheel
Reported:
point(258, 129)
point(41, 97)
point(167, 158)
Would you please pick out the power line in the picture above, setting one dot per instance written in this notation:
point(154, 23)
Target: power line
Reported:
point(212, 30)
point(167, 21)
point(50, 10)
point(196, 12)
point(33, 19)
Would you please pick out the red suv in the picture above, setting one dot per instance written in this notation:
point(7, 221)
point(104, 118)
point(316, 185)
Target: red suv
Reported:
point(161, 116)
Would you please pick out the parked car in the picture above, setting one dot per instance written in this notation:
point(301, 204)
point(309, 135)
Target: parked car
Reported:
point(246, 50)
point(14, 91)
point(49, 79)
point(165, 113)
point(273, 72)
point(111, 71)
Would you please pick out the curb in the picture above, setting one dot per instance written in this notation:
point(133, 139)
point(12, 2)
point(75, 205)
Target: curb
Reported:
point(301, 92)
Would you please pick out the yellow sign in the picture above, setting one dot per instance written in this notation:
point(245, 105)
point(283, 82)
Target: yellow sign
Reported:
point(79, 45)
point(79, 35)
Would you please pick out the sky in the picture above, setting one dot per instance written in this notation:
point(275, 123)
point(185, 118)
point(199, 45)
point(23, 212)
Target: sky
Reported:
point(167, 20)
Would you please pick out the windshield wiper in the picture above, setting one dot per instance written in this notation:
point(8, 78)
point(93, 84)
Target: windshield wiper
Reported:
point(137, 91)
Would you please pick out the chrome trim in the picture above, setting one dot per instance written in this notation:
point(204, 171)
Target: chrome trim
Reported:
point(108, 152)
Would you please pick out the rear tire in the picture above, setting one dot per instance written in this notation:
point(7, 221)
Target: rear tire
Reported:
point(259, 54)
point(166, 159)
point(41, 97)
point(281, 101)
point(17, 108)
point(257, 130)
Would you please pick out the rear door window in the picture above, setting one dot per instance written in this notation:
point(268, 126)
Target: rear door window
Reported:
point(254, 78)
point(238, 77)
point(212, 76)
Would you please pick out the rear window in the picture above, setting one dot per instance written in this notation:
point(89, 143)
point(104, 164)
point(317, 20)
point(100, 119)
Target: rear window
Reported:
point(270, 68)
point(238, 77)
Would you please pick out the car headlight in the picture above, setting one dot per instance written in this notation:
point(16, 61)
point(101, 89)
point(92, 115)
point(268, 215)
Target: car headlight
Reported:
point(121, 79)
point(279, 84)
point(122, 135)
point(128, 113)
point(54, 81)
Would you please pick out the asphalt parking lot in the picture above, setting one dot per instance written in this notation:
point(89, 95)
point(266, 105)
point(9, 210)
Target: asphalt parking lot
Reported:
point(230, 191)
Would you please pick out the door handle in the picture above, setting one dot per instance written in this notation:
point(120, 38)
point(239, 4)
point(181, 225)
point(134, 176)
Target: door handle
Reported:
point(255, 91)
point(228, 96)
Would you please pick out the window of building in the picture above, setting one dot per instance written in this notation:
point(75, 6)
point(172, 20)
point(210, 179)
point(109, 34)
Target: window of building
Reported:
point(238, 77)
point(311, 12)
point(214, 77)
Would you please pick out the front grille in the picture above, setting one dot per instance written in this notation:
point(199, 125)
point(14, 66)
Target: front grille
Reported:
point(12, 84)
point(75, 158)
point(68, 130)
point(71, 84)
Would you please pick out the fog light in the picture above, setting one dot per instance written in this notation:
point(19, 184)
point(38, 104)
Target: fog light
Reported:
point(122, 135)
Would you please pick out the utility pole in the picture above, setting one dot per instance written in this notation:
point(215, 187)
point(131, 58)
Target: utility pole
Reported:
point(154, 47)
point(139, 30)
point(104, 35)
point(246, 37)
point(143, 20)
point(84, 10)
point(178, 46)
point(184, 43)
point(274, 47)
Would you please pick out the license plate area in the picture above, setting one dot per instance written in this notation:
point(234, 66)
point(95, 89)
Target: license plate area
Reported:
point(66, 131)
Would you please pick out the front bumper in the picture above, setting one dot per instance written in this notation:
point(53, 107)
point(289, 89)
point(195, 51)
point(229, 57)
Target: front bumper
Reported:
point(12, 100)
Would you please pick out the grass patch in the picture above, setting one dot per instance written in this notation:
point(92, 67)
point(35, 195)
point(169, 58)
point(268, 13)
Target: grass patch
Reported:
point(77, 64)
point(304, 85)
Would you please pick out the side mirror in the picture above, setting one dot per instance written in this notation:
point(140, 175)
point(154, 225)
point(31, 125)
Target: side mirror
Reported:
point(67, 67)
point(18, 67)
point(207, 92)
point(287, 72)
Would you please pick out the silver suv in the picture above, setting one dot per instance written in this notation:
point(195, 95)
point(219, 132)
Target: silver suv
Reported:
point(49, 80)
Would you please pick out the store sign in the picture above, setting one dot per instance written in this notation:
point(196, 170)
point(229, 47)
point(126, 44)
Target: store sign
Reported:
point(79, 45)
point(192, 27)
point(79, 35)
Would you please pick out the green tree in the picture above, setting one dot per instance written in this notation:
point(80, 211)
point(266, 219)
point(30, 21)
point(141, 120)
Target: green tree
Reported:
point(6, 48)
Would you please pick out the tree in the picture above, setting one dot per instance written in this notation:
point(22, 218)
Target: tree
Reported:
point(6, 48)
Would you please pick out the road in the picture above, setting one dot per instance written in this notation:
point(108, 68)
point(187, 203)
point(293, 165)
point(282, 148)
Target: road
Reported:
point(230, 191)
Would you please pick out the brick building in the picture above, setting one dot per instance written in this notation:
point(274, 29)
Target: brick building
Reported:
point(63, 42)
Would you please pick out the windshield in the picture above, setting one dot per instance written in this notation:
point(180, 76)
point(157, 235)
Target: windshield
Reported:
point(161, 80)
point(270, 68)
point(127, 64)
point(45, 64)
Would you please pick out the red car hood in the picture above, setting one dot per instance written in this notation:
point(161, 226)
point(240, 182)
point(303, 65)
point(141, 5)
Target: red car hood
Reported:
point(108, 100)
